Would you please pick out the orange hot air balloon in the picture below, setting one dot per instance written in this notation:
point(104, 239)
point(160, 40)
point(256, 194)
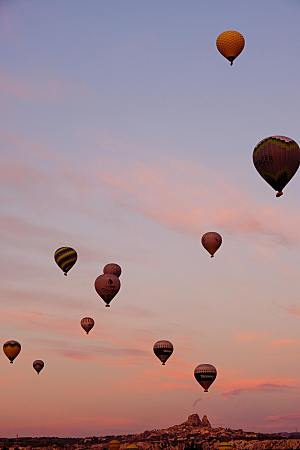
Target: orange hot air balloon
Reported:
point(163, 350)
point(211, 241)
point(277, 159)
point(114, 445)
point(112, 268)
point(87, 324)
point(230, 44)
point(11, 349)
point(205, 374)
point(38, 365)
point(107, 286)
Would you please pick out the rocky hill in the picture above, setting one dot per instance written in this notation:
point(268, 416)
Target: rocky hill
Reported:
point(194, 433)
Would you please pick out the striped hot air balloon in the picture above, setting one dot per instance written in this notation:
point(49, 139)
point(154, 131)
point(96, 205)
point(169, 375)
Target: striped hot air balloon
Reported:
point(87, 324)
point(163, 350)
point(65, 258)
point(11, 349)
point(230, 44)
point(205, 374)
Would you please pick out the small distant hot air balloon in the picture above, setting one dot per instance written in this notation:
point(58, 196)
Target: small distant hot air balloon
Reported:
point(114, 445)
point(38, 365)
point(205, 374)
point(224, 446)
point(230, 44)
point(107, 286)
point(163, 350)
point(11, 349)
point(277, 159)
point(65, 258)
point(211, 241)
point(87, 324)
point(113, 269)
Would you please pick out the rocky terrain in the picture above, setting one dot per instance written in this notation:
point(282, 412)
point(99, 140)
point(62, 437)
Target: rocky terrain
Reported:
point(194, 433)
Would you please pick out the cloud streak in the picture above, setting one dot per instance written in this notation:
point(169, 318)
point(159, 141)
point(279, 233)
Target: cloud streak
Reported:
point(261, 388)
point(188, 200)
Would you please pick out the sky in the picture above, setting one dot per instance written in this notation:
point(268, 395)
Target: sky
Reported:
point(126, 135)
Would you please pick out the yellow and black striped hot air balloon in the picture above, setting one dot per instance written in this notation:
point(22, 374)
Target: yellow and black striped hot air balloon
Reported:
point(65, 258)
point(230, 44)
point(11, 349)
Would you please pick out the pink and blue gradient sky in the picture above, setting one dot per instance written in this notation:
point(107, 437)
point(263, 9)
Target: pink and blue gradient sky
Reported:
point(126, 135)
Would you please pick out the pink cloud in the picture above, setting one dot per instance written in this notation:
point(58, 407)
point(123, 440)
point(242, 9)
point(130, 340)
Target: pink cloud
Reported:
point(284, 342)
point(250, 336)
point(294, 310)
point(38, 89)
point(19, 174)
point(267, 387)
point(177, 196)
point(294, 417)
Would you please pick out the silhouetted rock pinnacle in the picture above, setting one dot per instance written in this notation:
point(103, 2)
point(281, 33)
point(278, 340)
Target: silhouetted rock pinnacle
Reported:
point(205, 422)
point(194, 420)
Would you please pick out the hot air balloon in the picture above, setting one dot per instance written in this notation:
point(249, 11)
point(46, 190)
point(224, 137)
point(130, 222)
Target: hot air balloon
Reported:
point(107, 286)
point(211, 241)
point(277, 159)
point(113, 269)
point(38, 365)
point(224, 446)
point(230, 44)
point(163, 350)
point(114, 444)
point(205, 374)
point(11, 349)
point(87, 324)
point(65, 258)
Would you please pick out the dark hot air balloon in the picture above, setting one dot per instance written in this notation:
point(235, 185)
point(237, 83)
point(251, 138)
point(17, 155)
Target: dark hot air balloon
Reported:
point(38, 365)
point(107, 286)
point(277, 159)
point(113, 269)
point(11, 349)
point(211, 241)
point(65, 258)
point(163, 350)
point(205, 374)
point(87, 324)
point(230, 44)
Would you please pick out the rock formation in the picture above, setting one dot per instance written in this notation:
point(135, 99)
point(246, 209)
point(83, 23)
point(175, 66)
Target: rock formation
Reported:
point(194, 421)
point(205, 422)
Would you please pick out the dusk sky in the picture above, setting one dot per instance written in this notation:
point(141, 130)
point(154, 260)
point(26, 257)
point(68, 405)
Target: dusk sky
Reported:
point(126, 135)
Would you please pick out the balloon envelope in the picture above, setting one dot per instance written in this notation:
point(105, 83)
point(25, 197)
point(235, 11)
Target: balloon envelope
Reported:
point(113, 269)
point(114, 444)
point(87, 324)
point(205, 374)
point(65, 258)
point(38, 365)
point(230, 44)
point(11, 349)
point(107, 286)
point(211, 241)
point(277, 158)
point(163, 350)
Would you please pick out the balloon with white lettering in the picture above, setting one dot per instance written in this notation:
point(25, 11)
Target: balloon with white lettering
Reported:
point(107, 286)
